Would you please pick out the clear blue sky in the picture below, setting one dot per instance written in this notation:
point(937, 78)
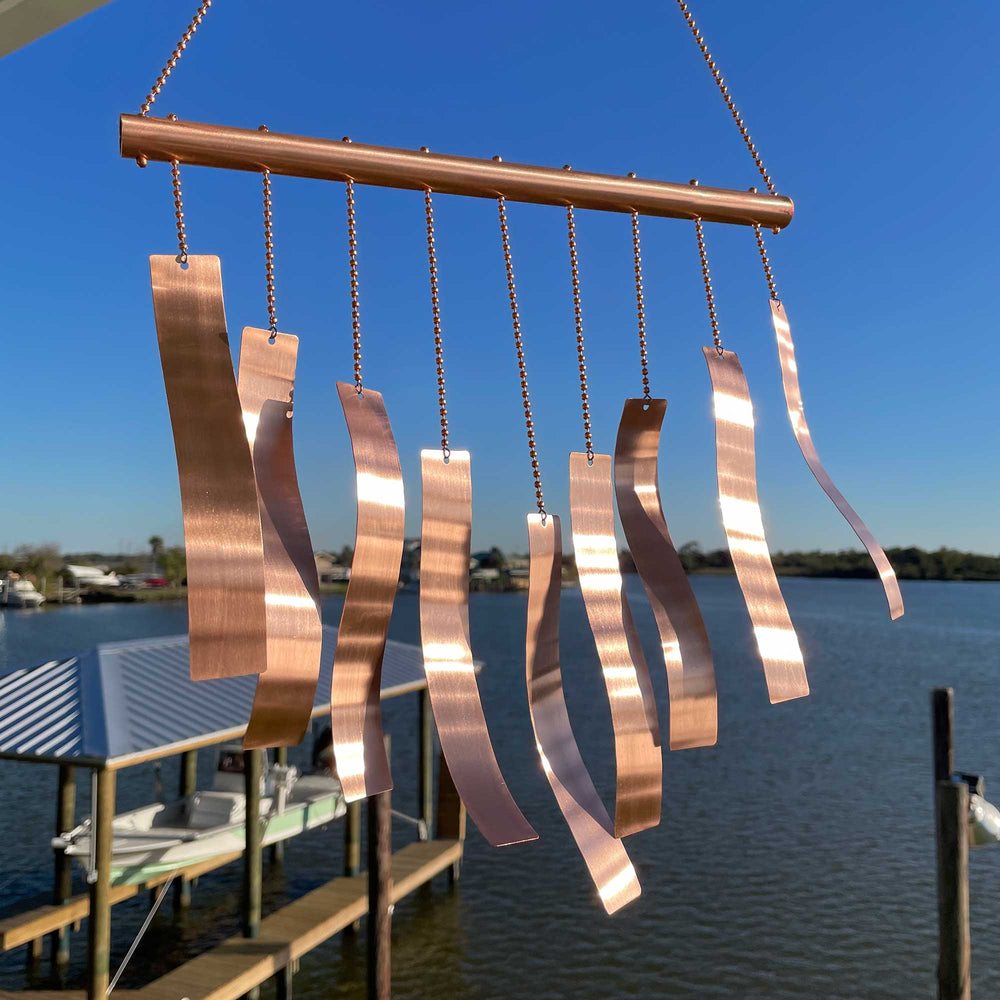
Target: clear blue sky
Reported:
point(880, 122)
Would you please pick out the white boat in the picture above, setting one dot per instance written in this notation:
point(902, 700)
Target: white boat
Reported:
point(162, 837)
point(19, 594)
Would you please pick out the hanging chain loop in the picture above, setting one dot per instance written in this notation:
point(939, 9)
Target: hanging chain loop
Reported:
point(519, 345)
point(707, 278)
point(581, 356)
point(272, 315)
point(174, 56)
point(436, 316)
point(182, 245)
point(724, 90)
point(352, 254)
point(640, 304)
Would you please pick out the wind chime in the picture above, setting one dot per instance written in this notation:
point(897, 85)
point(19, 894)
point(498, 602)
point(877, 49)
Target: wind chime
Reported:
point(252, 587)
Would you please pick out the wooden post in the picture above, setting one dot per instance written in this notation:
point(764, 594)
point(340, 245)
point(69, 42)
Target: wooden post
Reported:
point(62, 886)
point(954, 949)
point(278, 849)
point(187, 785)
point(379, 894)
point(102, 811)
point(352, 852)
point(426, 757)
point(252, 869)
point(450, 814)
point(943, 724)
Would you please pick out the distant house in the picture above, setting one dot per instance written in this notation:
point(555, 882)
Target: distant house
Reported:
point(329, 569)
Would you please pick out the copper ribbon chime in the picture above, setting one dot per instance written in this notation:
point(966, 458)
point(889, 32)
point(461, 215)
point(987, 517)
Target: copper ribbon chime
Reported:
point(638, 760)
point(687, 654)
point(581, 806)
point(777, 642)
point(355, 695)
point(445, 548)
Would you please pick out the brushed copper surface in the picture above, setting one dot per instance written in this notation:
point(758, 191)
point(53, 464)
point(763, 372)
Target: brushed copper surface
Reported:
point(588, 820)
point(687, 654)
point(355, 712)
point(285, 693)
point(222, 536)
point(796, 414)
point(445, 538)
point(199, 144)
point(638, 759)
point(737, 473)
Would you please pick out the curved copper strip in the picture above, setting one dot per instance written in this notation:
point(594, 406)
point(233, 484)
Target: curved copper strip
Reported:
point(683, 638)
point(355, 710)
point(638, 759)
point(797, 416)
point(225, 558)
point(283, 703)
point(737, 472)
point(588, 820)
point(444, 633)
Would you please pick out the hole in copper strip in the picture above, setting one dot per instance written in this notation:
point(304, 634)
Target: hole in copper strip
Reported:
point(285, 694)
point(588, 820)
point(638, 759)
point(736, 466)
point(797, 416)
point(355, 711)
point(444, 632)
point(225, 560)
point(687, 654)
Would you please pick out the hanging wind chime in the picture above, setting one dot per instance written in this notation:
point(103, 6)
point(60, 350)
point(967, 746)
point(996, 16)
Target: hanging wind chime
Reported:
point(253, 594)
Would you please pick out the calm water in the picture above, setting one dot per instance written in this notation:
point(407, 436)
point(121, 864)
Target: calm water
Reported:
point(796, 859)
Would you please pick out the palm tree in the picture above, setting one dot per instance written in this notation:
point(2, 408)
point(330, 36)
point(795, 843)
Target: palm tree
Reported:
point(155, 548)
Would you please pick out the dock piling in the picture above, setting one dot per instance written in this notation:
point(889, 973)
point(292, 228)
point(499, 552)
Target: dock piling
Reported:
point(451, 815)
point(252, 859)
point(62, 887)
point(102, 811)
point(379, 894)
point(426, 759)
point(186, 785)
point(277, 851)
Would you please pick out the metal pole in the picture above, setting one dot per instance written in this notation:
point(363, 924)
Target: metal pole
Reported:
point(426, 756)
point(187, 785)
point(62, 887)
point(199, 144)
point(379, 894)
point(102, 811)
point(954, 947)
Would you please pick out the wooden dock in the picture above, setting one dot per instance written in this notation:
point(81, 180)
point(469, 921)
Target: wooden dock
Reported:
point(235, 967)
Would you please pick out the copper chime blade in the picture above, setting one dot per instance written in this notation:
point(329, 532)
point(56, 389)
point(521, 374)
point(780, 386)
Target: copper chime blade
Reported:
point(777, 642)
point(444, 633)
point(638, 759)
point(355, 706)
point(222, 535)
point(581, 806)
point(797, 416)
point(285, 693)
point(683, 638)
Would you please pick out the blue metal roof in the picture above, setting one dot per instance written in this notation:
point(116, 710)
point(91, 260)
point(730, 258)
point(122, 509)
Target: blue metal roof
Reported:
point(135, 700)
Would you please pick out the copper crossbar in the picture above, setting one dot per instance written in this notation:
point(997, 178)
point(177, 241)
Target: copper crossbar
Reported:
point(203, 145)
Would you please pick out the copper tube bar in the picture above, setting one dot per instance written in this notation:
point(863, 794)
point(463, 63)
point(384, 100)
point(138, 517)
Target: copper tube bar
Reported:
point(687, 654)
point(445, 537)
point(797, 416)
point(355, 708)
point(638, 761)
point(284, 698)
point(201, 145)
point(736, 467)
point(225, 555)
point(581, 806)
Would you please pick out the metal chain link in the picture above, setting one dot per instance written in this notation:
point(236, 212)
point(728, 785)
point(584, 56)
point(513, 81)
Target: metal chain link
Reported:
point(436, 314)
point(640, 304)
point(174, 56)
point(522, 370)
point(724, 90)
point(765, 260)
point(707, 278)
point(272, 315)
point(182, 246)
point(581, 356)
point(352, 253)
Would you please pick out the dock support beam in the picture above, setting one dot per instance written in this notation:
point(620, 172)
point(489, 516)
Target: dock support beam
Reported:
point(379, 895)
point(62, 885)
point(187, 785)
point(252, 860)
point(450, 814)
point(426, 757)
point(99, 923)
point(278, 850)
point(951, 813)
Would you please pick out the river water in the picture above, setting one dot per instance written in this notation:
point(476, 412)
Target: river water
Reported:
point(795, 859)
